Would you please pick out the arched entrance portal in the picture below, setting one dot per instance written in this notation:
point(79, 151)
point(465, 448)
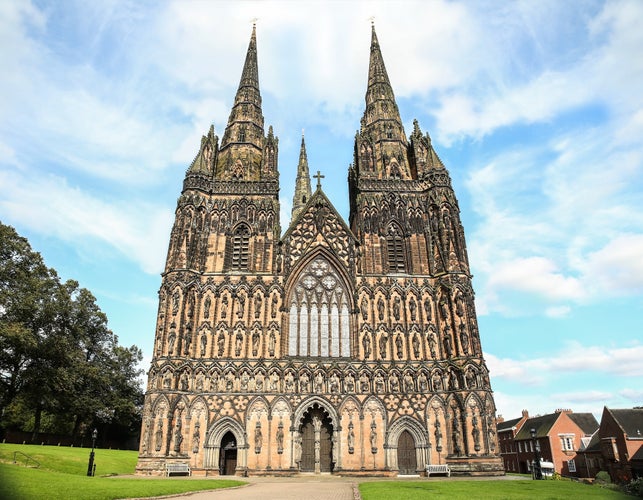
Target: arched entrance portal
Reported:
point(228, 457)
point(406, 456)
point(317, 441)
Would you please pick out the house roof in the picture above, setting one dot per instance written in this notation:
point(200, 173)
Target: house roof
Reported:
point(630, 420)
point(542, 424)
point(586, 421)
point(638, 456)
point(508, 424)
point(594, 445)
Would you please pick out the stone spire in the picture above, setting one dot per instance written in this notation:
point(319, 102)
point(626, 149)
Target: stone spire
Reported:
point(381, 123)
point(302, 184)
point(243, 139)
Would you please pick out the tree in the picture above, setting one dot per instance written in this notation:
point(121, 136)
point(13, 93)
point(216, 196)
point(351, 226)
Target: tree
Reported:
point(57, 355)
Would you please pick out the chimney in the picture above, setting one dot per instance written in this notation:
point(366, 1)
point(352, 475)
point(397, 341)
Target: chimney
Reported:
point(500, 419)
point(525, 413)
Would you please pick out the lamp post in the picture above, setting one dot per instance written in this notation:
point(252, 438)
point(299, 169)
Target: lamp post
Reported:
point(90, 465)
point(537, 470)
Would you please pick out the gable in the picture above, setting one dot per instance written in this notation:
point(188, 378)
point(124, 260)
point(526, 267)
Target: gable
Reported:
point(318, 225)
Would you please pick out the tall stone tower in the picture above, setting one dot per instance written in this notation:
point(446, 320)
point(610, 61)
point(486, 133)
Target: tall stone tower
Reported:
point(329, 349)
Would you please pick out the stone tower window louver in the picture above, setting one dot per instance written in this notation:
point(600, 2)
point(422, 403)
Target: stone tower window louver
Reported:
point(395, 250)
point(240, 240)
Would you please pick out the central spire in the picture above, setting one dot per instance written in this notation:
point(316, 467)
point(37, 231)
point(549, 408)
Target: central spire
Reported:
point(302, 184)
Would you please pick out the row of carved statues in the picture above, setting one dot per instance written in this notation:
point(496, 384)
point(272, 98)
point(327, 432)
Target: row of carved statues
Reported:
point(319, 382)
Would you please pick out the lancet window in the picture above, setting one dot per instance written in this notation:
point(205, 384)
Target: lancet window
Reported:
point(319, 313)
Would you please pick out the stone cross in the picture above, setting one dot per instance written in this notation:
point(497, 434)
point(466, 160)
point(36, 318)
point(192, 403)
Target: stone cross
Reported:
point(319, 177)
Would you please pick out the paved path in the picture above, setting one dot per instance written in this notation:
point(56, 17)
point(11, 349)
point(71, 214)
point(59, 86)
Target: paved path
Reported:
point(324, 487)
point(295, 488)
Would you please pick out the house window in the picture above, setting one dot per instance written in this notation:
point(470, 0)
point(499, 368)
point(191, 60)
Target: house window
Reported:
point(567, 442)
point(571, 465)
point(240, 241)
point(520, 446)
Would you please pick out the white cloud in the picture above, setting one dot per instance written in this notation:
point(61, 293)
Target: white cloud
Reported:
point(574, 357)
point(70, 214)
point(537, 275)
point(557, 311)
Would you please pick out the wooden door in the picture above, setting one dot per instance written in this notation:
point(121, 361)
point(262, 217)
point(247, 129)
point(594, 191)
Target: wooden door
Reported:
point(307, 446)
point(406, 457)
point(308, 443)
point(228, 458)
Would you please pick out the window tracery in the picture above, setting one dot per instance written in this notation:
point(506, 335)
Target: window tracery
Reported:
point(319, 313)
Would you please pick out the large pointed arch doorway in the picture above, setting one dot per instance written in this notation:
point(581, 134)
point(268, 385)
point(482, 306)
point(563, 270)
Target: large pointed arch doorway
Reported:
point(228, 456)
point(406, 456)
point(316, 441)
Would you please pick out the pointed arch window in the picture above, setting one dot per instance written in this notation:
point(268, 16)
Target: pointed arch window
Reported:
point(395, 249)
point(242, 134)
point(319, 316)
point(239, 250)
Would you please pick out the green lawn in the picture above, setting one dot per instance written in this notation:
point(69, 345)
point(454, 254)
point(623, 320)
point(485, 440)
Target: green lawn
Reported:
point(62, 475)
point(487, 490)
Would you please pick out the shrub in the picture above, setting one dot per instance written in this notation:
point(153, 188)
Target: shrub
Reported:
point(603, 477)
point(635, 487)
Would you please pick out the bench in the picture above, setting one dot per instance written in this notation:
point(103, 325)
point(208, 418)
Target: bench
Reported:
point(438, 469)
point(179, 468)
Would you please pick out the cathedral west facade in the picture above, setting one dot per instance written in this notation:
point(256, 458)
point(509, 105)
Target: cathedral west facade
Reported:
point(333, 347)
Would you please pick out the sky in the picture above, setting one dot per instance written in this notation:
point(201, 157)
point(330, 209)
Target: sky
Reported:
point(535, 107)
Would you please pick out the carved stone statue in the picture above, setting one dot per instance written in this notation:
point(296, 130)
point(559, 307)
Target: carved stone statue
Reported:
point(363, 306)
point(399, 346)
point(238, 344)
point(221, 344)
point(158, 435)
point(383, 341)
point(224, 306)
point(412, 308)
point(396, 308)
point(206, 307)
point(380, 309)
point(366, 344)
point(258, 302)
point(258, 438)
point(373, 437)
point(280, 438)
point(255, 342)
point(178, 436)
point(304, 382)
point(319, 383)
point(241, 300)
point(416, 346)
point(349, 384)
point(379, 383)
point(271, 343)
point(297, 450)
point(196, 438)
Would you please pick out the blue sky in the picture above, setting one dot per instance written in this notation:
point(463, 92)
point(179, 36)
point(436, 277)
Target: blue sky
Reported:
point(535, 107)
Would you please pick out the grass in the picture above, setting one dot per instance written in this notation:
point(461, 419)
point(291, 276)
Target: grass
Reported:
point(485, 490)
point(62, 475)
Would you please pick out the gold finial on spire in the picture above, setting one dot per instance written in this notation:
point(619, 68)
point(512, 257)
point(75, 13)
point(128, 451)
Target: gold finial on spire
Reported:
point(372, 20)
point(254, 22)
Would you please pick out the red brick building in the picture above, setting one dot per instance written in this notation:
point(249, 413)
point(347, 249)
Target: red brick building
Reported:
point(621, 443)
point(559, 435)
point(506, 431)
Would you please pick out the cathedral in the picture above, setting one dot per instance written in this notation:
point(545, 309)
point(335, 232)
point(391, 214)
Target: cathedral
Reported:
point(333, 347)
